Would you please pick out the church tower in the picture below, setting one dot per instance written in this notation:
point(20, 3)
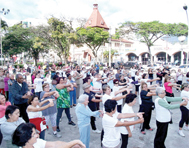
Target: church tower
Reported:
point(96, 20)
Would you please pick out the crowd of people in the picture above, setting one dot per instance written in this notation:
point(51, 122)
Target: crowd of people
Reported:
point(33, 101)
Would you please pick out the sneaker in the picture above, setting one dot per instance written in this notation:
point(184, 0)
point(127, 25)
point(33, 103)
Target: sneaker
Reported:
point(58, 129)
point(143, 132)
point(96, 131)
point(151, 129)
point(71, 123)
point(57, 135)
point(186, 128)
point(181, 133)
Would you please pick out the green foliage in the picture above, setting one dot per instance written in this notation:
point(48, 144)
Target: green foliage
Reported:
point(16, 40)
point(20, 65)
point(106, 54)
point(40, 63)
point(62, 36)
point(4, 25)
point(93, 37)
point(150, 32)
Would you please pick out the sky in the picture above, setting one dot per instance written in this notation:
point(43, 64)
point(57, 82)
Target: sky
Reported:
point(114, 12)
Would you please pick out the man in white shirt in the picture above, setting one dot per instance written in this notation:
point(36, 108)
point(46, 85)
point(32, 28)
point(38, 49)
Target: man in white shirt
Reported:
point(38, 82)
point(110, 122)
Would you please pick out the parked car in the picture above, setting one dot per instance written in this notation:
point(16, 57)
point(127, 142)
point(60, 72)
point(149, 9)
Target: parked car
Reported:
point(184, 68)
point(130, 64)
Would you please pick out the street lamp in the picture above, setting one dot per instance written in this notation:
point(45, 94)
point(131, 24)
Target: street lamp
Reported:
point(185, 8)
point(109, 42)
point(4, 12)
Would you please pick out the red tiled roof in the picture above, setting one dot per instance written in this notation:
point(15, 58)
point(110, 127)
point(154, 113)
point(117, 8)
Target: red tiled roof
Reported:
point(96, 20)
point(122, 40)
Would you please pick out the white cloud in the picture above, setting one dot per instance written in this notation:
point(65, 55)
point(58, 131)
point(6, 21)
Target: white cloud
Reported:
point(113, 11)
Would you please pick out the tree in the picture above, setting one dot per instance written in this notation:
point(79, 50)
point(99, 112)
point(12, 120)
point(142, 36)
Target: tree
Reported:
point(19, 39)
point(62, 36)
point(16, 40)
point(106, 54)
point(4, 25)
point(93, 38)
point(150, 32)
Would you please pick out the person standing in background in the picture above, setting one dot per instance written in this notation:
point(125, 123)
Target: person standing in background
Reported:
point(10, 82)
point(6, 84)
point(2, 84)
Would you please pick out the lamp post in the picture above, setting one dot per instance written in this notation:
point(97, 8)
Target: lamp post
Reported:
point(185, 8)
point(109, 39)
point(4, 12)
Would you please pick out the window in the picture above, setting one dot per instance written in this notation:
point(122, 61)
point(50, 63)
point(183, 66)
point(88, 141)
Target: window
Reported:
point(127, 45)
point(117, 44)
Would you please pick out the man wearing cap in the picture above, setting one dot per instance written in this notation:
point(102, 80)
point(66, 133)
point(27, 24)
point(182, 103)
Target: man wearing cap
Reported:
point(92, 104)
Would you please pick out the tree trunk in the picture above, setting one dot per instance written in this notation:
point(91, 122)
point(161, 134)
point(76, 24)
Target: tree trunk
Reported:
point(65, 59)
point(35, 61)
point(150, 56)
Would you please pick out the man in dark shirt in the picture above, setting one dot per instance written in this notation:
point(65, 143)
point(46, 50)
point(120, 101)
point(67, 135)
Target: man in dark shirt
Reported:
point(159, 75)
point(20, 95)
point(118, 74)
point(92, 105)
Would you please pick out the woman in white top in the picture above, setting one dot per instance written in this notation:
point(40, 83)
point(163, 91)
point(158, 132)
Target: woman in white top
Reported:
point(179, 77)
point(163, 115)
point(48, 80)
point(137, 78)
point(133, 70)
point(110, 123)
point(184, 110)
point(126, 132)
point(34, 111)
point(117, 91)
point(25, 136)
point(110, 80)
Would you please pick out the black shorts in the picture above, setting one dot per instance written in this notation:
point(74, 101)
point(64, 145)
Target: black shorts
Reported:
point(137, 87)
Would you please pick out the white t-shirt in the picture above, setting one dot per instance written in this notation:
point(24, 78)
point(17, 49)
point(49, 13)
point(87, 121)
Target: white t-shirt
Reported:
point(179, 77)
point(104, 98)
point(137, 79)
point(32, 115)
point(185, 94)
point(116, 88)
point(84, 74)
point(49, 81)
point(145, 80)
point(127, 109)
point(40, 143)
point(111, 133)
point(97, 84)
point(38, 83)
point(133, 72)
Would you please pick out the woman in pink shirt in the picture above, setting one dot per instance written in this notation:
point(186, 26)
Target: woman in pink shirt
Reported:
point(33, 76)
point(6, 88)
point(3, 106)
point(168, 86)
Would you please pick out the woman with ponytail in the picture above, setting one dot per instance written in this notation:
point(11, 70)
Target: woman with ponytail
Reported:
point(184, 110)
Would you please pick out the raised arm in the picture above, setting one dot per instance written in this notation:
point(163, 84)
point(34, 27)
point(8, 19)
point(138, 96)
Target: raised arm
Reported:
point(62, 144)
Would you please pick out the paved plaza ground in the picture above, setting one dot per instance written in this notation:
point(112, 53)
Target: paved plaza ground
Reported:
point(137, 140)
